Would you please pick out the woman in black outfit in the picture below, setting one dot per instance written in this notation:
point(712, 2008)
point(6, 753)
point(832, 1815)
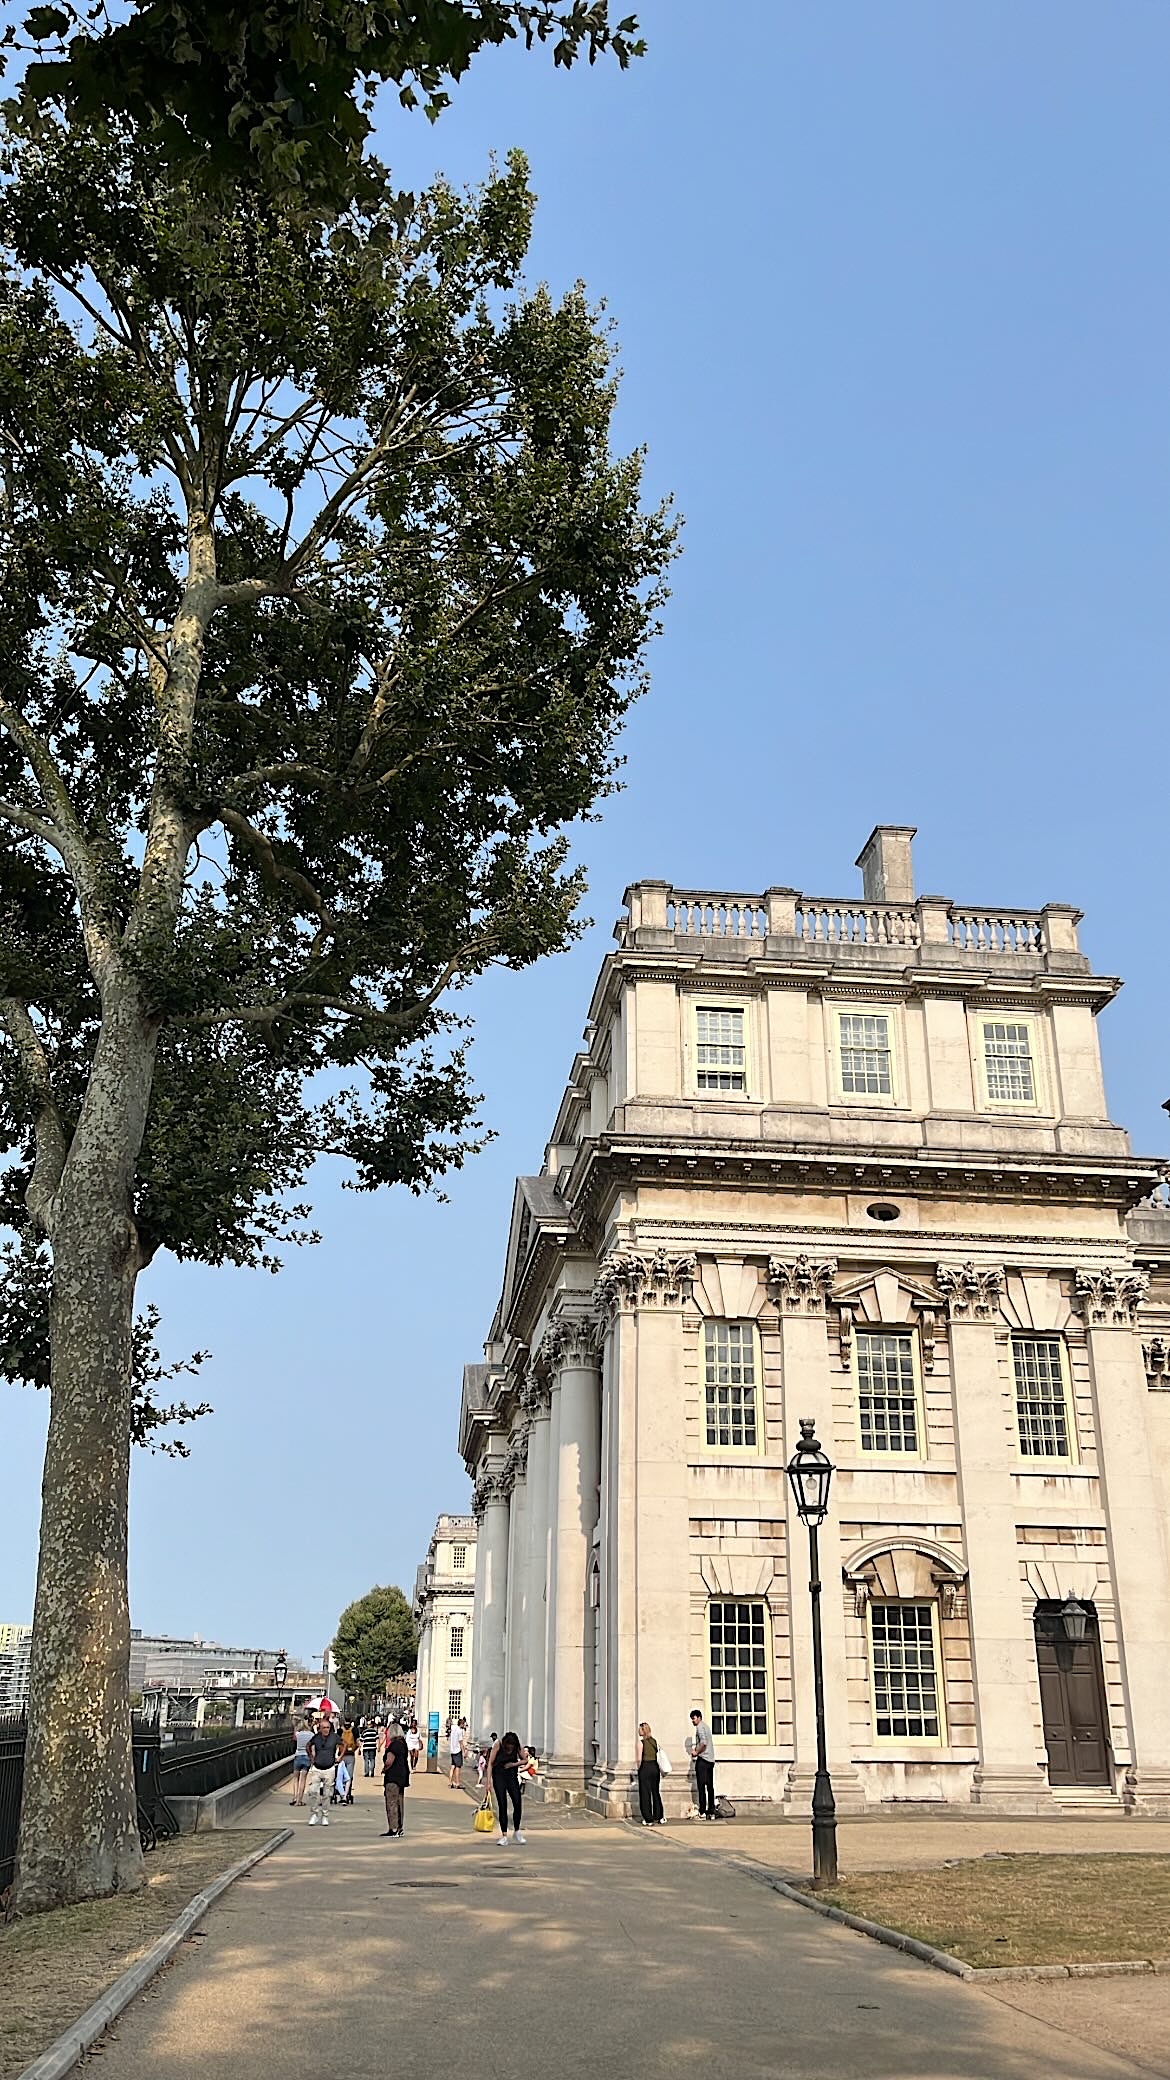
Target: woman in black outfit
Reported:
point(649, 1778)
point(504, 1771)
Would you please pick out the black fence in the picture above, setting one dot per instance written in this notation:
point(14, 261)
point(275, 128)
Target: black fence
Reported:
point(187, 1767)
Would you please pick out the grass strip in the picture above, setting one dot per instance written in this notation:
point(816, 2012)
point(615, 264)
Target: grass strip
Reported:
point(1023, 1909)
point(54, 1966)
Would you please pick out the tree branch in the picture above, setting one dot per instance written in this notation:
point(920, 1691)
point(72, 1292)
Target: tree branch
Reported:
point(274, 869)
point(51, 1140)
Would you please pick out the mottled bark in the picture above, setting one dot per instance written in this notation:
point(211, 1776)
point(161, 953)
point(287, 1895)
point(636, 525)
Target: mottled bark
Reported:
point(78, 1834)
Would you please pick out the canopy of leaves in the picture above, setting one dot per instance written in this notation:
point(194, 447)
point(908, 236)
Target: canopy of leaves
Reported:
point(314, 551)
point(293, 78)
point(376, 1641)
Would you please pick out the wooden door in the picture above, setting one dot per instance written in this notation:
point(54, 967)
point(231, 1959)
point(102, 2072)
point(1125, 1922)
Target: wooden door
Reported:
point(1072, 1701)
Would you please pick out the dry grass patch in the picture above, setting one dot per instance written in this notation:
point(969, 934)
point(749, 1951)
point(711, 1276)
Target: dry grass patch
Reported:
point(54, 1966)
point(1007, 1910)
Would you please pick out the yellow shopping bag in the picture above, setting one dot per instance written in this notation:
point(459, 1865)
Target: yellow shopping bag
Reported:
point(484, 1823)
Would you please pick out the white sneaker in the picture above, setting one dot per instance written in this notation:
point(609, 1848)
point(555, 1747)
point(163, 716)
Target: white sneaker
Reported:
point(324, 1821)
point(521, 1837)
point(662, 1823)
point(502, 1841)
point(313, 1819)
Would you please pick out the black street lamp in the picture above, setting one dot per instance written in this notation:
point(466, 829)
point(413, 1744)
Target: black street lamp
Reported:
point(280, 1672)
point(810, 1472)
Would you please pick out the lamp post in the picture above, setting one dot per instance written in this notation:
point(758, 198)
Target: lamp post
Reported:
point(810, 1472)
point(280, 1672)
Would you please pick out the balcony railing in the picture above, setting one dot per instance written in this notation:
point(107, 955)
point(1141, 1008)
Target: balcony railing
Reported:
point(784, 919)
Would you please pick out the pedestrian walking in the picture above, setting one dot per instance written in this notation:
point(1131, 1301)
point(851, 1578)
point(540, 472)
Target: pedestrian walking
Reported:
point(649, 1778)
point(322, 1752)
point(395, 1778)
point(701, 1749)
point(346, 1763)
point(504, 1770)
point(369, 1746)
point(300, 1776)
point(413, 1744)
point(457, 1737)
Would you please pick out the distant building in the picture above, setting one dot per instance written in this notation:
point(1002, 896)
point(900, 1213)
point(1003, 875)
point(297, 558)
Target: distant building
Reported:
point(15, 1656)
point(848, 1159)
point(160, 1662)
point(444, 1594)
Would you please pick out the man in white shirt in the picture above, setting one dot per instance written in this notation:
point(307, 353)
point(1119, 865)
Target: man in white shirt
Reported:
point(456, 1738)
point(701, 1749)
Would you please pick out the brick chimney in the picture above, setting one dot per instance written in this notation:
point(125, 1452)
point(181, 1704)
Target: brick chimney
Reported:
point(887, 871)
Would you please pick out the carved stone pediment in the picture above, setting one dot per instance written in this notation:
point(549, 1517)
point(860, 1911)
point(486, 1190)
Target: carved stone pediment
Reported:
point(892, 1299)
point(903, 1568)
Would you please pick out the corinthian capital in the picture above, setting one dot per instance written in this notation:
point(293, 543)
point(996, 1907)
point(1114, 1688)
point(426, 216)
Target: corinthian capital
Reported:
point(1110, 1299)
point(628, 1280)
point(801, 1285)
point(970, 1290)
point(570, 1339)
point(493, 1486)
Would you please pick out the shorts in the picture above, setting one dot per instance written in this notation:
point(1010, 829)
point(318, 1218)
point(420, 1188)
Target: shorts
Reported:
point(457, 1758)
point(300, 1762)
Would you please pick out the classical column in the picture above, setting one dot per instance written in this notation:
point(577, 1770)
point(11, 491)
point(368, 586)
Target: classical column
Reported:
point(422, 1680)
point(574, 1474)
point(516, 1635)
point(535, 1400)
point(800, 1288)
point(491, 1506)
point(1135, 1521)
point(1011, 1770)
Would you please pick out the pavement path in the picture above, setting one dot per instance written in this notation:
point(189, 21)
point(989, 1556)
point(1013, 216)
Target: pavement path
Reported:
point(594, 1949)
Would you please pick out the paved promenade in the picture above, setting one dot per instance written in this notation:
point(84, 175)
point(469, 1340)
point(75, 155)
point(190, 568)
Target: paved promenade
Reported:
point(592, 1951)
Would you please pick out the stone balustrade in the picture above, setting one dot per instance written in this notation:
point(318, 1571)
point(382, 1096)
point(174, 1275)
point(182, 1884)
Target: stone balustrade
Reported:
point(931, 930)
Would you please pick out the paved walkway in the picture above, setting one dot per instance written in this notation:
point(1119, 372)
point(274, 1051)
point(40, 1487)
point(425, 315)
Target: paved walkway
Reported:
point(591, 1951)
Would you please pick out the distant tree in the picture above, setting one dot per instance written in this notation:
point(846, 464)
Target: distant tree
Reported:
point(282, 88)
point(376, 1641)
point(322, 598)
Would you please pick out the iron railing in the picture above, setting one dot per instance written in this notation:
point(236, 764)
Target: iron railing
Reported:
point(187, 1767)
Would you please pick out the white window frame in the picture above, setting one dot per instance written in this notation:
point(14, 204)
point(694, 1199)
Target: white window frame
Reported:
point(1039, 1102)
point(454, 1709)
point(866, 1452)
point(884, 1100)
point(458, 1558)
point(744, 1740)
point(732, 1451)
point(928, 1743)
point(456, 1653)
point(1045, 1462)
point(697, 1001)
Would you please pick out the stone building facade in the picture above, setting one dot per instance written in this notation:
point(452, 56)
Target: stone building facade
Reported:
point(850, 1159)
point(444, 1595)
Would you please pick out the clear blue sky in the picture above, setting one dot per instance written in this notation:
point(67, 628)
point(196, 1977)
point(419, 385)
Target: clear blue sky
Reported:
point(894, 315)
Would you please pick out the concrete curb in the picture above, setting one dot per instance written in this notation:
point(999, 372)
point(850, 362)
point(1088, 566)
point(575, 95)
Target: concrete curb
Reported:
point(72, 2045)
point(896, 1939)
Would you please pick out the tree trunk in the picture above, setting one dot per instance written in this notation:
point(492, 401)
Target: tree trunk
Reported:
point(78, 1830)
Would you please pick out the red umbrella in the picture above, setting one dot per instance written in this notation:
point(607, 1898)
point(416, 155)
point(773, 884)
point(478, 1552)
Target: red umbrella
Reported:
point(326, 1705)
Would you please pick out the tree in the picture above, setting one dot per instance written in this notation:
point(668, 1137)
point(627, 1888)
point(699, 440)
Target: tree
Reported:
point(283, 86)
point(323, 597)
point(376, 1641)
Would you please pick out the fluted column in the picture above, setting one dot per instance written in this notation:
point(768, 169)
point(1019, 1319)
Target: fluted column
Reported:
point(516, 1636)
point(536, 1400)
point(800, 1287)
point(492, 1511)
point(1010, 1772)
point(1136, 1525)
point(574, 1474)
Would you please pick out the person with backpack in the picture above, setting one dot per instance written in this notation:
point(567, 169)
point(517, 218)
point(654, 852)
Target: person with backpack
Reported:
point(503, 1768)
point(346, 1763)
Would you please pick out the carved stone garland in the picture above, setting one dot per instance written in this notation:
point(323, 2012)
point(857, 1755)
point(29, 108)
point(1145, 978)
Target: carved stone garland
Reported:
point(1110, 1299)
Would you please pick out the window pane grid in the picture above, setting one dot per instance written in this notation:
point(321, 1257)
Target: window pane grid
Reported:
point(739, 1668)
point(459, 1556)
point(722, 1056)
point(865, 1055)
point(454, 1703)
point(1041, 1408)
point(905, 1679)
point(456, 1642)
point(730, 1384)
point(1008, 1057)
point(885, 1389)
